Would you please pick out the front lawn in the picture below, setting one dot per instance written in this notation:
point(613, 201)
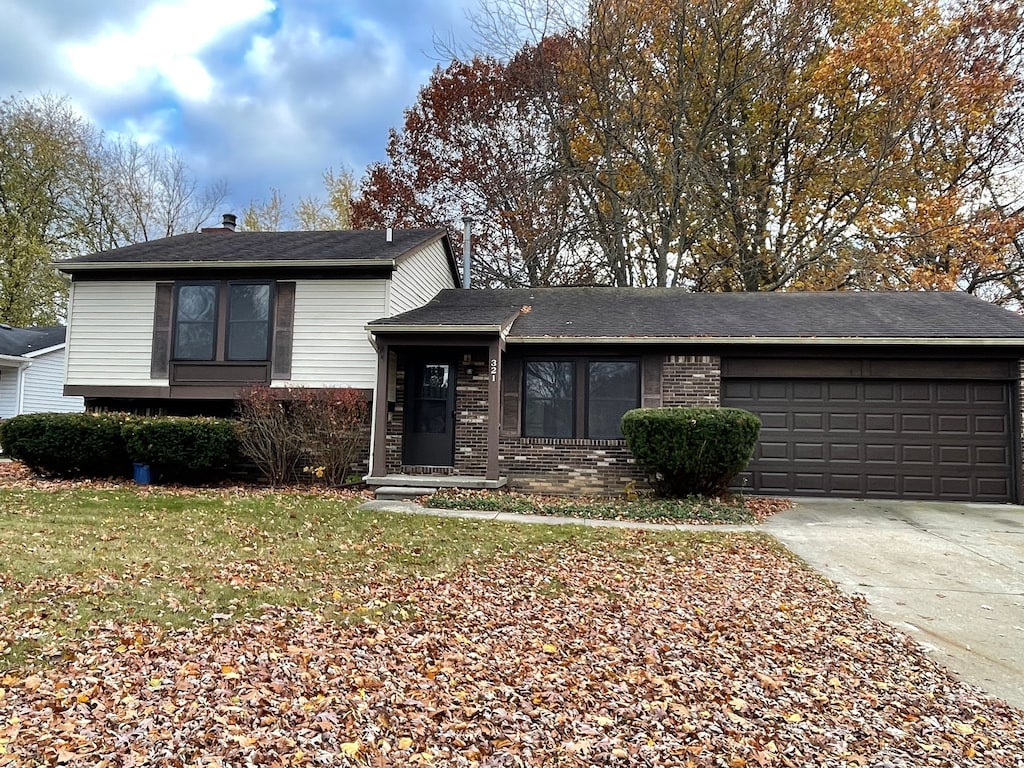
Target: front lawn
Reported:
point(223, 627)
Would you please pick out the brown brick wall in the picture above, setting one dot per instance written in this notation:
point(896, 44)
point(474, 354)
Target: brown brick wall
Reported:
point(471, 418)
point(691, 380)
point(396, 423)
point(563, 466)
point(604, 467)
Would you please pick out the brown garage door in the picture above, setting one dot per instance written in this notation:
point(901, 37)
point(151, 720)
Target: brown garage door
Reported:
point(879, 438)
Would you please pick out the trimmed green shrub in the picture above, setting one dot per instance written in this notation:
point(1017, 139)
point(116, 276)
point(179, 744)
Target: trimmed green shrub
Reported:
point(184, 448)
point(68, 444)
point(691, 450)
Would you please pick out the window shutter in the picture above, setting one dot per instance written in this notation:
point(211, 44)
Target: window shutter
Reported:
point(652, 365)
point(511, 395)
point(159, 363)
point(284, 322)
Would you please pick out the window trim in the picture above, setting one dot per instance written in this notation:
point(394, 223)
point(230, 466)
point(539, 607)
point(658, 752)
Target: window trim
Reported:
point(581, 391)
point(222, 314)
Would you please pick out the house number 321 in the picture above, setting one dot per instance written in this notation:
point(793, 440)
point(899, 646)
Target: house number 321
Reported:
point(494, 369)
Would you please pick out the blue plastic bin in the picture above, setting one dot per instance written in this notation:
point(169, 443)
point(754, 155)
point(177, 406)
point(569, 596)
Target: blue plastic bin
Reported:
point(142, 474)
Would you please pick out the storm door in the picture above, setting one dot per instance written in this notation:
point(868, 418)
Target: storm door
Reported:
point(430, 413)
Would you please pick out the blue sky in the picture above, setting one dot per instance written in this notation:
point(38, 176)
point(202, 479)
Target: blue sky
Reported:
point(260, 93)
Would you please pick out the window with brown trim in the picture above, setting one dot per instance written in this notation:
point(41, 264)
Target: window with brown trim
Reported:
point(578, 397)
point(222, 321)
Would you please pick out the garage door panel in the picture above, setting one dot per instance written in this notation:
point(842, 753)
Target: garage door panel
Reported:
point(803, 420)
point(846, 483)
point(949, 393)
point(843, 391)
point(920, 392)
point(990, 425)
point(809, 482)
point(844, 422)
point(809, 452)
point(809, 391)
point(991, 455)
point(839, 452)
point(882, 485)
point(954, 455)
point(774, 420)
point(919, 485)
point(880, 453)
point(990, 393)
point(890, 439)
point(772, 450)
point(959, 424)
point(918, 454)
point(916, 422)
point(993, 487)
point(880, 392)
point(880, 422)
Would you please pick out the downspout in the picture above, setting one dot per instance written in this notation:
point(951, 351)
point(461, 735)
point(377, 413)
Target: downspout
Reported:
point(20, 387)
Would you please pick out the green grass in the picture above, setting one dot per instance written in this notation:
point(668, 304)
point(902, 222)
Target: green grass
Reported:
point(78, 556)
point(696, 509)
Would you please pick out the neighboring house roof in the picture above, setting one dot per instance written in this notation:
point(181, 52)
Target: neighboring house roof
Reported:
point(23, 342)
point(661, 314)
point(243, 249)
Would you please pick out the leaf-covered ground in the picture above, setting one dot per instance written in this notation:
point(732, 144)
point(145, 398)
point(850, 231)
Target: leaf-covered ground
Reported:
point(182, 627)
point(565, 655)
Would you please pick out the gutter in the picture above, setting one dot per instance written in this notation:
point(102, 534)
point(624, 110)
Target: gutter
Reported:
point(90, 266)
point(944, 341)
point(393, 328)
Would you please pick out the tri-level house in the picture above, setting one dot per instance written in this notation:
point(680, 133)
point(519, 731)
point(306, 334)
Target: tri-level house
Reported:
point(180, 325)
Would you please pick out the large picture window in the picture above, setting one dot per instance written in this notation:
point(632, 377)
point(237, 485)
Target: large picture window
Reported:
point(613, 387)
point(226, 321)
point(550, 401)
point(581, 397)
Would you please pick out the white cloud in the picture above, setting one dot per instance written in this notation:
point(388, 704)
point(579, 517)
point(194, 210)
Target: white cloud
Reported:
point(163, 45)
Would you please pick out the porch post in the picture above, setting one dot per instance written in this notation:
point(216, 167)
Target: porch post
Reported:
point(493, 406)
point(378, 461)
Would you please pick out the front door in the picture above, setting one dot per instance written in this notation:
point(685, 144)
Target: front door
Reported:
point(430, 413)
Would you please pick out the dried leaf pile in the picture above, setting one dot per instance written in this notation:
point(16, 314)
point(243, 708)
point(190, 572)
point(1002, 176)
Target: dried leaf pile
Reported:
point(558, 656)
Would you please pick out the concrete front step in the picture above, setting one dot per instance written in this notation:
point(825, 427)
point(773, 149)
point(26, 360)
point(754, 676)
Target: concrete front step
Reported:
point(401, 493)
point(435, 481)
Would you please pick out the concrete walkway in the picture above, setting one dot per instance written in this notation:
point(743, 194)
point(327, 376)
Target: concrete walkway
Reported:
point(412, 508)
point(950, 575)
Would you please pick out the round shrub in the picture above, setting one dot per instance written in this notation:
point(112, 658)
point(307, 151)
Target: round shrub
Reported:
point(691, 450)
point(182, 448)
point(68, 444)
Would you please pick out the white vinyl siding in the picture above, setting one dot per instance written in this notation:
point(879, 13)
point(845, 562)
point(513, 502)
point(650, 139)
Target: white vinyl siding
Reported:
point(418, 278)
point(330, 347)
point(8, 392)
point(110, 337)
point(43, 386)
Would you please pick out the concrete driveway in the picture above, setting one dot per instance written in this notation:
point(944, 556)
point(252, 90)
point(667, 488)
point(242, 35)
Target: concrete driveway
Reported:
point(950, 575)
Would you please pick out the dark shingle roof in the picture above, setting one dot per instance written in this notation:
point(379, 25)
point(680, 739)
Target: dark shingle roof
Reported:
point(653, 313)
point(22, 341)
point(226, 248)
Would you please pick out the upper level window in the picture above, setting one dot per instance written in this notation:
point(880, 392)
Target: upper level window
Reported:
point(578, 398)
point(248, 321)
point(204, 331)
point(195, 322)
